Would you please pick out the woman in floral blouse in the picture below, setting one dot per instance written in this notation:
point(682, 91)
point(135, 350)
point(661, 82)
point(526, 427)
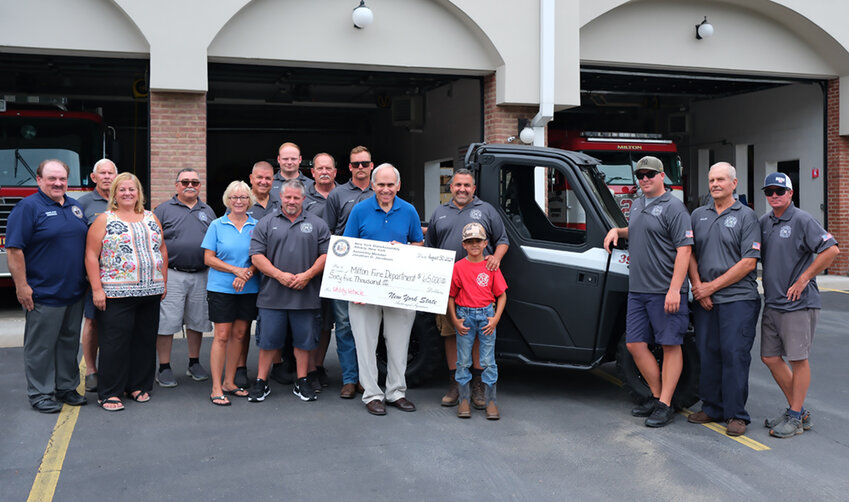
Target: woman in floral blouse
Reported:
point(127, 265)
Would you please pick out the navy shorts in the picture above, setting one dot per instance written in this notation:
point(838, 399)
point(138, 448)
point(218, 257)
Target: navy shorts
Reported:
point(647, 322)
point(227, 307)
point(272, 326)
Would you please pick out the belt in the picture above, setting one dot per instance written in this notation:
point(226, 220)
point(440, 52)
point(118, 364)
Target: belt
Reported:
point(187, 270)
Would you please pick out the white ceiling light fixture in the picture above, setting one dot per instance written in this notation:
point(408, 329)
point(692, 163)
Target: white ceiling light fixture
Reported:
point(362, 16)
point(704, 29)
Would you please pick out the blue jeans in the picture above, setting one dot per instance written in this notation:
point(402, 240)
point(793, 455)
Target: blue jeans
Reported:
point(475, 319)
point(346, 350)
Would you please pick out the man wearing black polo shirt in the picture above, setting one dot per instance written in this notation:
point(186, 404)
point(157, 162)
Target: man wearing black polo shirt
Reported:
point(444, 231)
point(660, 238)
point(727, 245)
point(94, 203)
point(336, 211)
point(185, 219)
point(45, 242)
point(795, 249)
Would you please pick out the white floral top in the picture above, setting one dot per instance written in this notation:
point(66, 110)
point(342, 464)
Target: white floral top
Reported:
point(131, 260)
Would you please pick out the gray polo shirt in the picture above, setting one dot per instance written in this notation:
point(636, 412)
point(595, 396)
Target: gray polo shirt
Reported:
point(722, 240)
point(655, 232)
point(291, 246)
point(341, 200)
point(183, 229)
point(93, 204)
point(278, 180)
point(314, 201)
point(789, 246)
point(272, 205)
point(445, 228)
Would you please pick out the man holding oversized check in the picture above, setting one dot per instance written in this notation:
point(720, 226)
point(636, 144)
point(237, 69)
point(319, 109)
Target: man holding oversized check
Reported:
point(386, 218)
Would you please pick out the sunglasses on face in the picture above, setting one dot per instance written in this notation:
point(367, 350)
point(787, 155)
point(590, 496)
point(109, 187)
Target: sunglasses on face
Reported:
point(777, 191)
point(646, 174)
point(194, 183)
point(364, 163)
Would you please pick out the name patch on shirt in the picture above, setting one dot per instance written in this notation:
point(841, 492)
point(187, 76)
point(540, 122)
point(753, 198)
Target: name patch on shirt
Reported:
point(50, 213)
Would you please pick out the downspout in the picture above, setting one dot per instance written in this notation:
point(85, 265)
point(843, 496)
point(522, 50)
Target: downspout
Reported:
point(546, 71)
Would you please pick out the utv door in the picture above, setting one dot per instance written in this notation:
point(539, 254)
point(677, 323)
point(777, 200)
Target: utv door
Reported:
point(556, 267)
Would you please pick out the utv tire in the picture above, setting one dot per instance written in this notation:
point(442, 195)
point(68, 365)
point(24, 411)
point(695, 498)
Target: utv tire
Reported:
point(425, 355)
point(687, 392)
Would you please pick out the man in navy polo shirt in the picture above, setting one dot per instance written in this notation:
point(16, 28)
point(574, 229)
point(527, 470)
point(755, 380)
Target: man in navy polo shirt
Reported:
point(722, 271)
point(339, 204)
point(94, 203)
point(384, 217)
point(795, 249)
point(660, 238)
point(289, 248)
point(45, 242)
point(445, 231)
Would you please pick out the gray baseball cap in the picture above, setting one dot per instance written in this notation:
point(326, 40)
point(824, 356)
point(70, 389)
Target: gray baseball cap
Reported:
point(649, 163)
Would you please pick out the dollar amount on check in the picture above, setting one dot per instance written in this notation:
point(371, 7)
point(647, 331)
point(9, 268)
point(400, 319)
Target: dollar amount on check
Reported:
point(392, 275)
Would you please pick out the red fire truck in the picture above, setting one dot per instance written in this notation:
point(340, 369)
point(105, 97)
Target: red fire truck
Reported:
point(619, 153)
point(29, 135)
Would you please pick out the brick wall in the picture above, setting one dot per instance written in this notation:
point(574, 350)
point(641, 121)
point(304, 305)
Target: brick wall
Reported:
point(501, 122)
point(177, 140)
point(838, 180)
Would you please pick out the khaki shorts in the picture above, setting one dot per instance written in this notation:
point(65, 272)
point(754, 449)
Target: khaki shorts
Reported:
point(788, 334)
point(184, 303)
point(443, 324)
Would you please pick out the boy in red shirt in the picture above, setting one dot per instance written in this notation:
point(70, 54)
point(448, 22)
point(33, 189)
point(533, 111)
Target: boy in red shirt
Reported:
point(475, 304)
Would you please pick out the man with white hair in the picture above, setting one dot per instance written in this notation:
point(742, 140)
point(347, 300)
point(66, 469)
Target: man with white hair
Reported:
point(726, 249)
point(388, 218)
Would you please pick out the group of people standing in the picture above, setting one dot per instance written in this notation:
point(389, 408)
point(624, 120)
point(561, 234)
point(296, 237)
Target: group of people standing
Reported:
point(140, 276)
point(718, 246)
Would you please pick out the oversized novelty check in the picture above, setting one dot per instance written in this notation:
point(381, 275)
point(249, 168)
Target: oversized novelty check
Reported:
point(392, 275)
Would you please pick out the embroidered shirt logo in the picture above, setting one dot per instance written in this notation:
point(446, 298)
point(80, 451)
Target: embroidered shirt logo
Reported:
point(784, 232)
point(656, 210)
point(202, 217)
point(77, 212)
point(306, 227)
point(482, 279)
point(731, 221)
point(475, 214)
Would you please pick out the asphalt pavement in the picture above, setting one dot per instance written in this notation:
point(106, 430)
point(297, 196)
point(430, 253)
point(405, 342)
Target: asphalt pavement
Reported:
point(563, 434)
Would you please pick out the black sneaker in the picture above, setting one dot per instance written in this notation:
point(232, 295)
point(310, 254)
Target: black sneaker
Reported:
point(645, 409)
point(280, 373)
point(303, 390)
point(259, 391)
point(241, 379)
point(314, 381)
point(322, 376)
point(661, 416)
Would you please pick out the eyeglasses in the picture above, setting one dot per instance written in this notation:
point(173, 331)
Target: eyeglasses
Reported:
point(364, 163)
point(777, 191)
point(194, 183)
point(239, 197)
point(646, 174)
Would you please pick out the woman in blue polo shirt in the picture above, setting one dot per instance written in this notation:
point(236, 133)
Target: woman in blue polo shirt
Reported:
point(232, 288)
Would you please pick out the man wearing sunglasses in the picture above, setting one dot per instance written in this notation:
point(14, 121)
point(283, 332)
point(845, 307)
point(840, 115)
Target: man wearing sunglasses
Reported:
point(722, 271)
point(795, 249)
point(660, 238)
point(184, 219)
point(341, 200)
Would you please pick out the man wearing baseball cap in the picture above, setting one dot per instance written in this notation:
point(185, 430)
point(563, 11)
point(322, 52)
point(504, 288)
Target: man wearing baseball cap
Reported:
point(660, 240)
point(795, 248)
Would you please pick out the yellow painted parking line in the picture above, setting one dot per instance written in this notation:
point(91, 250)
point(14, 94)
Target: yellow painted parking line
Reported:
point(44, 486)
point(744, 440)
point(835, 290)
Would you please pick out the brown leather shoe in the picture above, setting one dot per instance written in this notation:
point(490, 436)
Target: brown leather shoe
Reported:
point(402, 404)
point(376, 407)
point(348, 391)
point(478, 393)
point(463, 409)
point(700, 417)
point(736, 427)
point(360, 388)
point(492, 411)
point(452, 397)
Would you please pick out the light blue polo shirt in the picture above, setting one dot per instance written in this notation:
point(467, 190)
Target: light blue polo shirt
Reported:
point(231, 246)
point(369, 221)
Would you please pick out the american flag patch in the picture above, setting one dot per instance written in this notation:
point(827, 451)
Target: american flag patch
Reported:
point(688, 234)
point(826, 237)
point(756, 246)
